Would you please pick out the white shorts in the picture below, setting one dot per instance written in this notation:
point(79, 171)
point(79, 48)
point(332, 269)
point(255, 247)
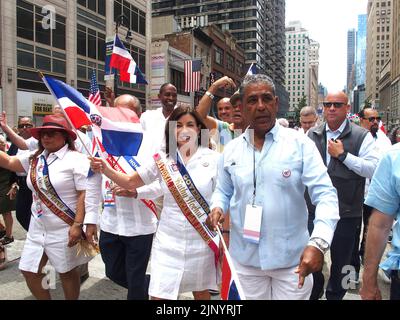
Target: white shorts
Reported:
point(278, 284)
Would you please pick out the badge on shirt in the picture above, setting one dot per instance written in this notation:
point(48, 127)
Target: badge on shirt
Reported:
point(252, 223)
point(109, 197)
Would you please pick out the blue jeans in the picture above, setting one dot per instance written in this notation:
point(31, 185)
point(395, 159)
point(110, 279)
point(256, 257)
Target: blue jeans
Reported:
point(126, 260)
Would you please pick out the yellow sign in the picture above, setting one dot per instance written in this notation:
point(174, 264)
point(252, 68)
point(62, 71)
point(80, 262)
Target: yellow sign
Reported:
point(42, 108)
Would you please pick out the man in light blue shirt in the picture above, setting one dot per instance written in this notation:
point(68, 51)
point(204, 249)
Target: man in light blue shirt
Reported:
point(268, 168)
point(384, 197)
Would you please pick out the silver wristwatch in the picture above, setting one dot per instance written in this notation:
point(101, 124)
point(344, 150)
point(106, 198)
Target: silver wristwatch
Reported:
point(319, 243)
point(208, 93)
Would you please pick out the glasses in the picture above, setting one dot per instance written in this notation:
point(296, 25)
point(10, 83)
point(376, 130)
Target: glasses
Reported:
point(49, 133)
point(335, 104)
point(24, 126)
point(372, 119)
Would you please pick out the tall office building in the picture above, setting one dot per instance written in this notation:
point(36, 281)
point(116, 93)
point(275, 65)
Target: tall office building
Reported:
point(351, 51)
point(361, 50)
point(66, 40)
point(379, 49)
point(395, 72)
point(258, 25)
point(298, 73)
point(313, 88)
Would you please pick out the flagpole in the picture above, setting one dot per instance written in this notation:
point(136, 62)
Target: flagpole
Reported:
point(43, 78)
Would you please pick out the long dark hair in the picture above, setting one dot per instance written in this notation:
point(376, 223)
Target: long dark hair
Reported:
point(67, 138)
point(175, 116)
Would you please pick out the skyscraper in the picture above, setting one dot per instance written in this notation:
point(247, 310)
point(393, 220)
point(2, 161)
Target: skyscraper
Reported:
point(351, 51)
point(379, 49)
point(361, 49)
point(257, 25)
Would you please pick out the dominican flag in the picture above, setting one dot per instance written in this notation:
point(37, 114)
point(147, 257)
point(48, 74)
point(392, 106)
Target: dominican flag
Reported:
point(230, 287)
point(382, 127)
point(117, 129)
point(122, 60)
point(192, 75)
point(252, 70)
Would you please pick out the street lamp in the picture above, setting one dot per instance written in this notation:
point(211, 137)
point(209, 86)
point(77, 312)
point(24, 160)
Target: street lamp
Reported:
point(387, 117)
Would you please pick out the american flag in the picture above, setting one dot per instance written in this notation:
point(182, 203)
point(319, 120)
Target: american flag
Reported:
point(192, 75)
point(94, 95)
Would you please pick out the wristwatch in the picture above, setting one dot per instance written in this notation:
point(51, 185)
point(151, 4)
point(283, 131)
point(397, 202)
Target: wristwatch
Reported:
point(342, 156)
point(208, 93)
point(319, 243)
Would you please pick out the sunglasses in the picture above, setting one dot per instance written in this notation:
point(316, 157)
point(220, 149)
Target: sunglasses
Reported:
point(372, 119)
point(49, 133)
point(24, 126)
point(335, 104)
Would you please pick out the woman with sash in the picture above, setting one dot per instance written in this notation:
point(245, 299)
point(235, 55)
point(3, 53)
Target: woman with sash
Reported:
point(57, 177)
point(184, 251)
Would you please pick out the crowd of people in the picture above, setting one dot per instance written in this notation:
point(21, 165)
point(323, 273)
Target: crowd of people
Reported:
point(281, 198)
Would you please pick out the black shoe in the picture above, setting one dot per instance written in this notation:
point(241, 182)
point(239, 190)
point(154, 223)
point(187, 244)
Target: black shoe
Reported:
point(7, 240)
point(84, 277)
point(2, 233)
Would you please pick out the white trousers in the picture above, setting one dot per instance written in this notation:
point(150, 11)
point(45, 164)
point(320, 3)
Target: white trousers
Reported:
point(278, 284)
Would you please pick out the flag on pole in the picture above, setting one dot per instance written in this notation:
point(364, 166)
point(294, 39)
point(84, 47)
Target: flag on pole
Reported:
point(192, 75)
point(382, 127)
point(252, 70)
point(94, 94)
point(122, 60)
point(231, 288)
point(118, 129)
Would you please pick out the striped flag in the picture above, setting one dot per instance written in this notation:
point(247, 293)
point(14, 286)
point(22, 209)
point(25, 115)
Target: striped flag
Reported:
point(94, 95)
point(192, 75)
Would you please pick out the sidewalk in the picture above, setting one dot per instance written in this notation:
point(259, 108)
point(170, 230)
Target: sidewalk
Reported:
point(97, 286)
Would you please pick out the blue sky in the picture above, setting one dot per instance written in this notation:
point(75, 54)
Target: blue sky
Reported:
point(327, 22)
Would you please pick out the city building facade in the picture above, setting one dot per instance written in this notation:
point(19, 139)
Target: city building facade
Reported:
point(379, 30)
point(257, 25)
point(395, 67)
point(361, 49)
point(351, 52)
point(65, 40)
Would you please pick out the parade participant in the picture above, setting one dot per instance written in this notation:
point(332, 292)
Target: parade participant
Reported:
point(308, 118)
point(384, 198)
point(57, 178)
point(349, 153)
point(154, 120)
point(127, 223)
point(21, 140)
point(7, 198)
point(181, 260)
point(269, 243)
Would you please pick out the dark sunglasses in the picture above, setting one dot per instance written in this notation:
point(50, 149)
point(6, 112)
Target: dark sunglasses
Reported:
point(49, 133)
point(335, 104)
point(372, 119)
point(24, 126)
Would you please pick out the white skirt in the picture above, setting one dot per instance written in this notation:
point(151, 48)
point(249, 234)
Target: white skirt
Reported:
point(180, 262)
point(49, 234)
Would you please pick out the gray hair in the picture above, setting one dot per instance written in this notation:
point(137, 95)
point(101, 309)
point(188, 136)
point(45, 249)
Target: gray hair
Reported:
point(308, 111)
point(137, 103)
point(253, 79)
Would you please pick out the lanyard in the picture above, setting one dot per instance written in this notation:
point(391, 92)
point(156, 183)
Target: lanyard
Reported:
point(254, 175)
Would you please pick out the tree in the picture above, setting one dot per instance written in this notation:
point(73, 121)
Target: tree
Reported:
point(302, 103)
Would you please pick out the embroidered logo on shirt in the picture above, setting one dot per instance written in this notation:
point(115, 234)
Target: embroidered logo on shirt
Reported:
point(286, 173)
point(205, 164)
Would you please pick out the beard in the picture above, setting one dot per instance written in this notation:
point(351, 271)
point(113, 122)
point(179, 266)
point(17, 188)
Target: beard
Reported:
point(374, 130)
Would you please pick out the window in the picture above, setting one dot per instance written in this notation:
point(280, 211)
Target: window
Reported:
point(135, 18)
point(98, 6)
point(219, 55)
point(178, 79)
point(90, 43)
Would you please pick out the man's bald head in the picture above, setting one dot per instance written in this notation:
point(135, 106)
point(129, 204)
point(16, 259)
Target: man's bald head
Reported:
point(130, 102)
point(225, 110)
